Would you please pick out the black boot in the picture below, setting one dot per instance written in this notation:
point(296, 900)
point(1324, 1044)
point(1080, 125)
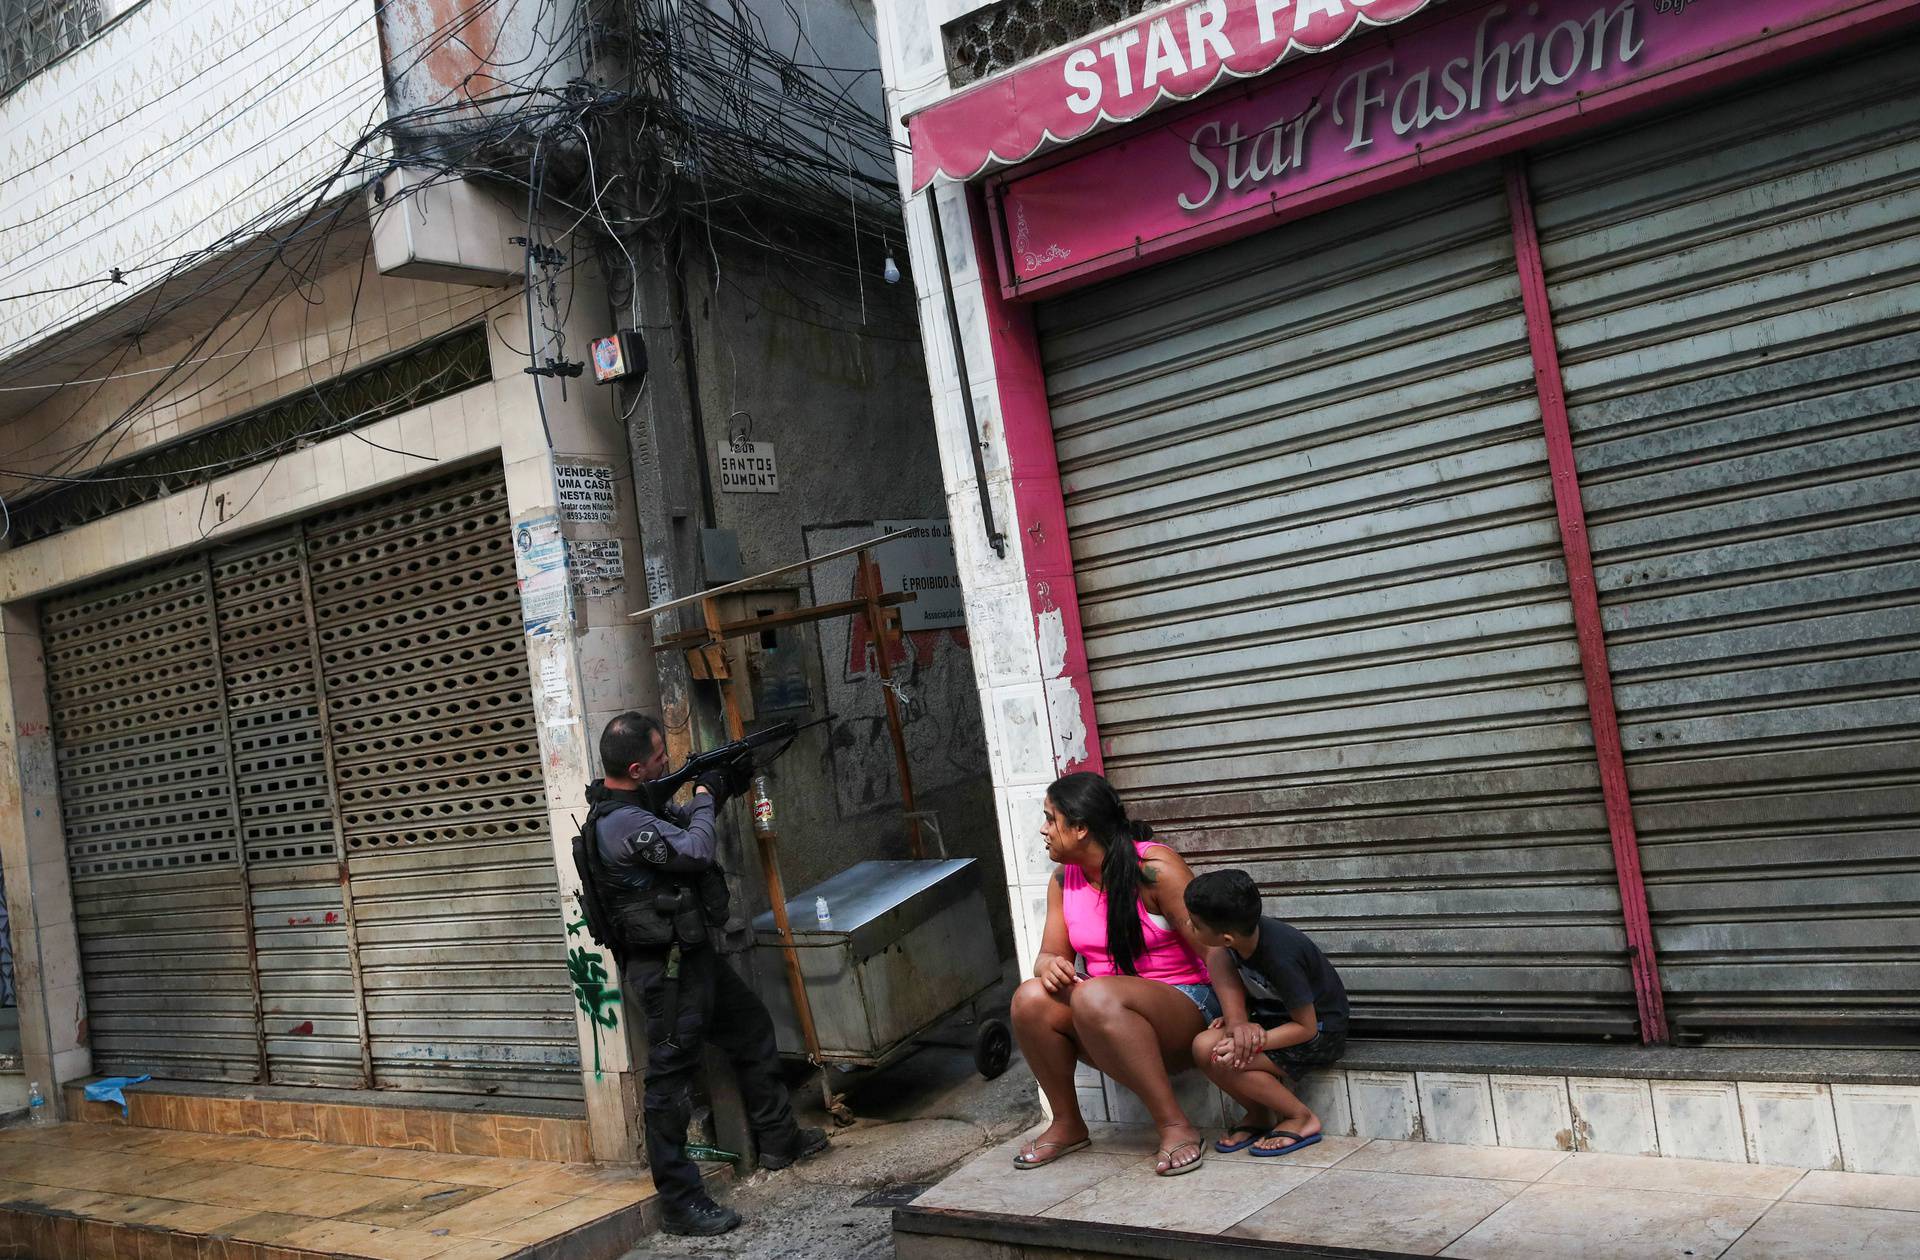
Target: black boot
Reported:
point(805, 1142)
point(700, 1217)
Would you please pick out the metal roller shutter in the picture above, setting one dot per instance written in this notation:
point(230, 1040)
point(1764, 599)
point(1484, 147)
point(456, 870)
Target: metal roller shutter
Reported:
point(309, 1009)
point(147, 802)
point(1737, 295)
point(305, 815)
point(1325, 607)
point(441, 794)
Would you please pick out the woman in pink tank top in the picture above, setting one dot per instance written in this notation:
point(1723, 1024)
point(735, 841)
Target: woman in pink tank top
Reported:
point(1116, 902)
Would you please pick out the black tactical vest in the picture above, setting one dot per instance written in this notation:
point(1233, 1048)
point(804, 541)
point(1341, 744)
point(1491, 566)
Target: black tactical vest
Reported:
point(649, 906)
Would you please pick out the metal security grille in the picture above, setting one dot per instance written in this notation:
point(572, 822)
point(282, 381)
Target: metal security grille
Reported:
point(305, 815)
point(1325, 607)
point(1737, 296)
point(1003, 35)
point(309, 1007)
point(146, 795)
point(442, 800)
point(36, 33)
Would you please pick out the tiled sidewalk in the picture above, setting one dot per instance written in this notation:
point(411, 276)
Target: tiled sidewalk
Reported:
point(1488, 1203)
point(75, 1191)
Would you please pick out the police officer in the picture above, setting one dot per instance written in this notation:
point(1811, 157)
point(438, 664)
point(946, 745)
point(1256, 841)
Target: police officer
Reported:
point(657, 870)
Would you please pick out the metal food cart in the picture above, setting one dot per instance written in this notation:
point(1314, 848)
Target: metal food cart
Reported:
point(907, 947)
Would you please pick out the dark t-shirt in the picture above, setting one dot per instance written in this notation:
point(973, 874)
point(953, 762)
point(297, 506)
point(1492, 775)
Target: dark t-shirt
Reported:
point(1287, 970)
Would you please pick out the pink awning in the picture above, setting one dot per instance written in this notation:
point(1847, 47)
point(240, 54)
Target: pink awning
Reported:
point(1173, 53)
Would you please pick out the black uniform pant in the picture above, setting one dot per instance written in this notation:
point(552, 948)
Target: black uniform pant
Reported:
point(706, 1002)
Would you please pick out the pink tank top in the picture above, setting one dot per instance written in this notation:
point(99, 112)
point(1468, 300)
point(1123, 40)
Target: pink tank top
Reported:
point(1167, 957)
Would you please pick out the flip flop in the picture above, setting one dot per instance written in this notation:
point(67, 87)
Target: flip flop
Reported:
point(1289, 1148)
point(1178, 1170)
point(1021, 1161)
point(1227, 1148)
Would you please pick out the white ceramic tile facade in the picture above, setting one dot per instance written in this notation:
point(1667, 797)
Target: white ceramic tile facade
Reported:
point(1031, 925)
point(1699, 1120)
point(1612, 1115)
point(1026, 850)
point(1385, 1105)
point(1000, 620)
point(1456, 1107)
point(1025, 743)
point(1326, 1093)
point(1790, 1124)
point(1879, 1127)
point(1532, 1111)
point(1194, 1092)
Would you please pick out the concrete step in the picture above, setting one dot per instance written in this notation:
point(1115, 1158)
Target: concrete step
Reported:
point(87, 1191)
point(447, 1124)
point(1356, 1197)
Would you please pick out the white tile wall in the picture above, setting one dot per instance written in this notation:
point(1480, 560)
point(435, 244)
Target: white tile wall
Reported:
point(1879, 1127)
point(1532, 1111)
point(1456, 1108)
point(1614, 1116)
point(1790, 1124)
point(1000, 623)
point(1385, 1105)
point(1699, 1120)
point(1026, 851)
point(1868, 1128)
point(1195, 1093)
point(1025, 743)
point(1326, 1093)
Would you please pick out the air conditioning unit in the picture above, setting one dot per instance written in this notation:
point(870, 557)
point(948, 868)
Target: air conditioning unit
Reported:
point(428, 225)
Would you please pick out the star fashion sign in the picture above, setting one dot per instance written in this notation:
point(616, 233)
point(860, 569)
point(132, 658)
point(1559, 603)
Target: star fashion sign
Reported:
point(1460, 83)
point(1174, 53)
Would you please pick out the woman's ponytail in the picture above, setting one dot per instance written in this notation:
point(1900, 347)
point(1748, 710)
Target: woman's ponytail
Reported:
point(1088, 800)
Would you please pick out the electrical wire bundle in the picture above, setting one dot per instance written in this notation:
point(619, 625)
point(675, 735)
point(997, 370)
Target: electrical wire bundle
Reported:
point(620, 128)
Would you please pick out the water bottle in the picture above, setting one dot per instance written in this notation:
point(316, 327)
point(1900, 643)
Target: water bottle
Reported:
point(823, 914)
point(37, 1110)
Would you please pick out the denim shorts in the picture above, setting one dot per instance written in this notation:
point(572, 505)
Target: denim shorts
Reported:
point(1204, 998)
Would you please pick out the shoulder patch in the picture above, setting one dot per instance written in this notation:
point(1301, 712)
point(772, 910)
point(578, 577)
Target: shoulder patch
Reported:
point(652, 846)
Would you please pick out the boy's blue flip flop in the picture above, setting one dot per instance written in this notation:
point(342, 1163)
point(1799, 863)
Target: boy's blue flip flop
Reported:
point(1227, 1148)
point(1288, 1149)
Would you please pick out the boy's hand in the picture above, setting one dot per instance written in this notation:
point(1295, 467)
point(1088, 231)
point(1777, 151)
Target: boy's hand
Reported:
point(1242, 1042)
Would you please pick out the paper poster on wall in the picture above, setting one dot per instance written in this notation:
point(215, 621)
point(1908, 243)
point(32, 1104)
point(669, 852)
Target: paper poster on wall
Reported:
point(923, 562)
point(659, 581)
point(598, 565)
point(540, 562)
point(747, 467)
point(586, 490)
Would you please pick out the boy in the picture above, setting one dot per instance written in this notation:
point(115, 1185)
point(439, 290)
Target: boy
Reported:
point(1285, 1010)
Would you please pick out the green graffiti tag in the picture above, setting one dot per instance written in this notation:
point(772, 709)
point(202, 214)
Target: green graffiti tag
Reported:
point(574, 928)
point(599, 1000)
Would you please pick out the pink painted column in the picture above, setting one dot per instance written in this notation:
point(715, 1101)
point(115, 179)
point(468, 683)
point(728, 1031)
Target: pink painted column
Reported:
point(1586, 608)
point(1040, 513)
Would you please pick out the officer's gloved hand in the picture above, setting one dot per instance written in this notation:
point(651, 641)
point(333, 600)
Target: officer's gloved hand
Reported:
point(716, 783)
point(740, 777)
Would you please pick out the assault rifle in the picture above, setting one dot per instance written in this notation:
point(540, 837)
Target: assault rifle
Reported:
point(727, 756)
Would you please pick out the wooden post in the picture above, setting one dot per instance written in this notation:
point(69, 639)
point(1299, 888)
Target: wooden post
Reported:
point(882, 635)
point(770, 867)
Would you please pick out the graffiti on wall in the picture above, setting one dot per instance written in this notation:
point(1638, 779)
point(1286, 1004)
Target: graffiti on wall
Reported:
point(598, 996)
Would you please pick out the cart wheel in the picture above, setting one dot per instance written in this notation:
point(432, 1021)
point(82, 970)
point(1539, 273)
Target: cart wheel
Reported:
point(992, 1048)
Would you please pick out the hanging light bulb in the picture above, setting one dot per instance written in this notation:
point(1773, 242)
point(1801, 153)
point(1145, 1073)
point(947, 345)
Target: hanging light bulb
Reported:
point(891, 272)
